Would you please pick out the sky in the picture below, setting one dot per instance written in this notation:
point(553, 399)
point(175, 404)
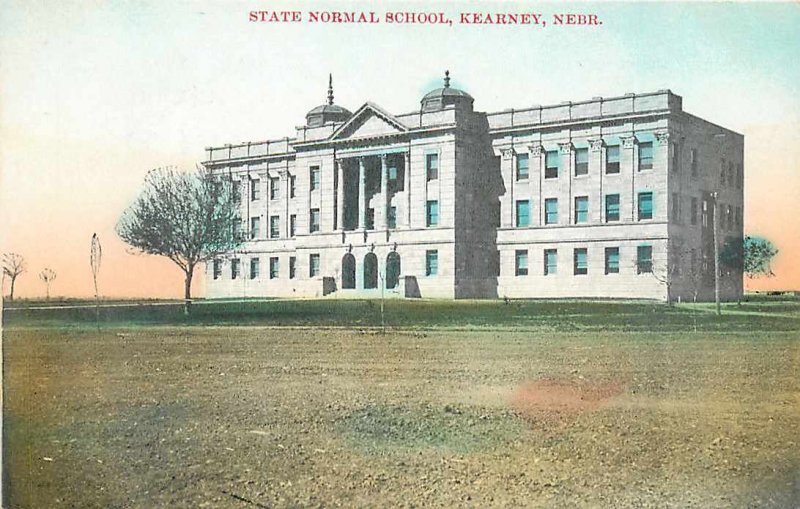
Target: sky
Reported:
point(93, 94)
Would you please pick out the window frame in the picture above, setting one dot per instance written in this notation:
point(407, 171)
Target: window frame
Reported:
point(275, 227)
point(582, 168)
point(612, 268)
point(274, 267)
point(583, 200)
point(431, 262)
point(313, 220)
point(255, 267)
point(645, 163)
point(551, 172)
point(520, 175)
point(547, 220)
point(521, 262)
point(431, 218)
point(577, 254)
point(432, 166)
point(314, 265)
point(639, 201)
point(613, 167)
point(617, 205)
point(520, 204)
point(547, 265)
point(644, 265)
point(314, 177)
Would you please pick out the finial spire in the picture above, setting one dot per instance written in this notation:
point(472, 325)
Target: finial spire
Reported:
point(447, 79)
point(330, 88)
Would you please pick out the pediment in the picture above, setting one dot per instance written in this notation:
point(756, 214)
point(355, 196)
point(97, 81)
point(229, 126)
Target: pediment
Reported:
point(370, 121)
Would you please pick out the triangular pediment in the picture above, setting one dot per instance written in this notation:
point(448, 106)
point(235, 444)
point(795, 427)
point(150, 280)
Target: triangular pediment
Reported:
point(369, 121)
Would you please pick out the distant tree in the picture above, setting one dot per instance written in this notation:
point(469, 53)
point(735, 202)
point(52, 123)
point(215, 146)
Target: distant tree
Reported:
point(189, 217)
point(751, 255)
point(95, 257)
point(47, 276)
point(13, 266)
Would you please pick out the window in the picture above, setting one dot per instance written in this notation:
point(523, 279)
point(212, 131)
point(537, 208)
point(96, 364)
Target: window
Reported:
point(274, 188)
point(551, 211)
point(391, 218)
point(313, 221)
point(370, 218)
point(292, 267)
point(292, 186)
point(646, 156)
point(550, 261)
point(645, 206)
point(255, 227)
point(551, 164)
point(216, 268)
point(612, 159)
point(676, 158)
point(523, 213)
point(392, 174)
point(522, 166)
point(693, 161)
point(644, 259)
point(255, 268)
point(612, 208)
point(274, 267)
point(676, 208)
point(432, 213)
point(313, 176)
point(581, 161)
point(274, 227)
point(612, 260)
point(313, 265)
point(431, 263)
point(432, 166)
point(581, 209)
point(581, 262)
point(255, 189)
point(293, 225)
point(521, 262)
point(235, 268)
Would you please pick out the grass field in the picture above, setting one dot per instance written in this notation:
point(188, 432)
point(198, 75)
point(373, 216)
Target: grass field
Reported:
point(526, 404)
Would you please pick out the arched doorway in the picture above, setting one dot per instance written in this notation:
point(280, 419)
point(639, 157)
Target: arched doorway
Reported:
point(392, 270)
point(348, 271)
point(370, 271)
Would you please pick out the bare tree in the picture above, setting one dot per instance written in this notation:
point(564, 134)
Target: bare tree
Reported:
point(47, 276)
point(95, 257)
point(189, 217)
point(13, 266)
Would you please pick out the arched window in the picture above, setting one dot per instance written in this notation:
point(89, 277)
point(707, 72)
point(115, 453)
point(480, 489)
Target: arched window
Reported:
point(392, 270)
point(370, 271)
point(348, 271)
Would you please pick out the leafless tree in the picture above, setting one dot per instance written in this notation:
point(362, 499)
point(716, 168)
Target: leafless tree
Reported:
point(13, 266)
point(95, 257)
point(47, 276)
point(189, 217)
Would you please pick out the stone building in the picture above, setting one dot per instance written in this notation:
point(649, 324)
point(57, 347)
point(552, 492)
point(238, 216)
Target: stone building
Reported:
point(609, 197)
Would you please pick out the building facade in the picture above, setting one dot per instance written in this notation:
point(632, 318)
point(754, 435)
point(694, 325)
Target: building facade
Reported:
point(617, 197)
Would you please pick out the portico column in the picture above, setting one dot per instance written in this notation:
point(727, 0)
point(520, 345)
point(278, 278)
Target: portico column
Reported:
point(339, 195)
point(407, 186)
point(362, 194)
point(384, 219)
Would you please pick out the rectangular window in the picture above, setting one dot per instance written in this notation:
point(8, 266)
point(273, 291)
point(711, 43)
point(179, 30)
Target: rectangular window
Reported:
point(292, 225)
point(581, 161)
point(645, 206)
point(551, 211)
point(523, 213)
point(612, 208)
point(255, 227)
point(612, 159)
point(550, 261)
point(255, 189)
point(676, 158)
point(274, 267)
point(370, 219)
point(521, 262)
point(551, 164)
point(392, 174)
point(432, 166)
point(646, 156)
point(274, 188)
point(612, 260)
point(255, 268)
point(522, 166)
point(432, 213)
point(292, 267)
point(676, 208)
point(581, 261)
point(431, 263)
point(313, 174)
point(292, 186)
point(693, 161)
point(235, 268)
point(391, 218)
point(644, 259)
point(313, 220)
point(693, 211)
point(581, 209)
point(313, 265)
point(274, 227)
point(216, 268)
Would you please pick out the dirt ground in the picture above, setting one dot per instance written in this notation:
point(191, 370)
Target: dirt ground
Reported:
point(255, 417)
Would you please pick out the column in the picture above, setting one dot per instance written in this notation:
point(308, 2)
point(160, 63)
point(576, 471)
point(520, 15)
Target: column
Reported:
point(507, 198)
point(339, 195)
point(362, 194)
point(535, 152)
point(407, 185)
point(382, 221)
point(628, 169)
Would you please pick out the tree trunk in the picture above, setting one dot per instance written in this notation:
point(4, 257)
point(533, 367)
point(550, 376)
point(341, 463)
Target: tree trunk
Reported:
point(11, 296)
point(187, 295)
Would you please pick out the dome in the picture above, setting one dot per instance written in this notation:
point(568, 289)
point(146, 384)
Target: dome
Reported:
point(327, 112)
point(439, 98)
